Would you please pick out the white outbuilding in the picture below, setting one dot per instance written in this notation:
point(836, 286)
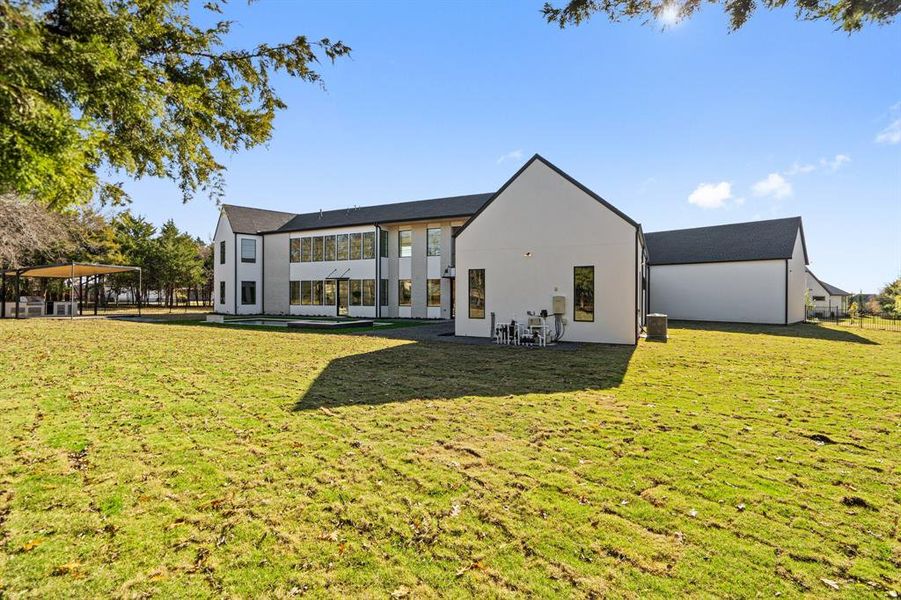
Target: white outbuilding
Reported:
point(742, 272)
point(826, 300)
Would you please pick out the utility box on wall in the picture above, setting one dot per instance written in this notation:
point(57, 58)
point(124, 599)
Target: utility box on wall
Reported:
point(559, 305)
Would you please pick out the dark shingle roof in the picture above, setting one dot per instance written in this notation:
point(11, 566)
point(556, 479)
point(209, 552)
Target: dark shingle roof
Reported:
point(757, 240)
point(419, 210)
point(831, 289)
point(253, 220)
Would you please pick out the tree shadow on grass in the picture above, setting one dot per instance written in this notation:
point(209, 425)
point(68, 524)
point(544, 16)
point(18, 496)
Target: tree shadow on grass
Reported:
point(423, 371)
point(798, 330)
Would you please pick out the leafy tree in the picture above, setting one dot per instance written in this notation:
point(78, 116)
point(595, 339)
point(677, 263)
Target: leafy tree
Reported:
point(889, 298)
point(847, 15)
point(180, 263)
point(131, 86)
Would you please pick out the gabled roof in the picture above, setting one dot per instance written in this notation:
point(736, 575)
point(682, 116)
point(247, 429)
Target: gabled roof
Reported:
point(830, 289)
point(560, 172)
point(419, 210)
point(757, 240)
point(244, 219)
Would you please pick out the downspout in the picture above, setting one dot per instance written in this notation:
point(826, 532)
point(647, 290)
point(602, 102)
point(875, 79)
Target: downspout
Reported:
point(378, 271)
point(786, 291)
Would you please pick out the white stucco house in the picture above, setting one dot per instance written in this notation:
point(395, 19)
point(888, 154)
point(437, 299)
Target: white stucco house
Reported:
point(826, 299)
point(742, 272)
point(542, 242)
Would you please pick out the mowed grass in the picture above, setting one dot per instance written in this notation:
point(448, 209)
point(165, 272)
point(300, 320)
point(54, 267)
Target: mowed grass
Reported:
point(169, 460)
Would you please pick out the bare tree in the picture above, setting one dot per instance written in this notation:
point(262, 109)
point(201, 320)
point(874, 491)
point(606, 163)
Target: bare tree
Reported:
point(29, 232)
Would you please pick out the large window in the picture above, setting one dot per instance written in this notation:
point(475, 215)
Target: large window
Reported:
point(317, 249)
point(369, 245)
point(383, 243)
point(221, 292)
point(317, 293)
point(434, 292)
point(222, 252)
point(356, 292)
point(405, 292)
point(356, 246)
point(343, 247)
point(306, 292)
point(433, 242)
point(295, 250)
point(248, 292)
point(329, 253)
point(329, 291)
point(369, 292)
point(583, 293)
point(306, 249)
point(383, 292)
point(477, 293)
point(295, 293)
point(248, 250)
point(404, 243)
point(819, 298)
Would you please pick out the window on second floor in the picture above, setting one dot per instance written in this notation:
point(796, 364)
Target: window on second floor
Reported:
point(383, 243)
point(222, 252)
point(369, 245)
point(248, 250)
point(433, 242)
point(405, 243)
point(295, 250)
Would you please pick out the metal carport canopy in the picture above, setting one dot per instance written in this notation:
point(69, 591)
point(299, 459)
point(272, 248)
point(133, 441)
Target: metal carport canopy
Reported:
point(69, 270)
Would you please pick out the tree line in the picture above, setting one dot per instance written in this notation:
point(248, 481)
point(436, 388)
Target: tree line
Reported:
point(176, 267)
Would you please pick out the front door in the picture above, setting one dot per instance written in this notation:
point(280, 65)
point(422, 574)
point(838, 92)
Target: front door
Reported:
point(343, 296)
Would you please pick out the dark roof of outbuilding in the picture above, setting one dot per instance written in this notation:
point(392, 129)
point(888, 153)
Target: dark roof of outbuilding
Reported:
point(244, 219)
point(833, 291)
point(756, 240)
point(418, 210)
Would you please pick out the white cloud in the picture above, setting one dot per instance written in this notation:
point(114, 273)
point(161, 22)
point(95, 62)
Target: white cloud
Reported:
point(711, 195)
point(891, 134)
point(836, 163)
point(799, 169)
point(774, 185)
point(739, 201)
point(513, 155)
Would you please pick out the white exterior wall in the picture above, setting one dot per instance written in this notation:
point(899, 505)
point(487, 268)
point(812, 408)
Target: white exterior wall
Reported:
point(249, 272)
point(741, 292)
point(797, 282)
point(350, 269)
point(562, 227)
point(830, 303)
point(224, 271)
point(276, 267)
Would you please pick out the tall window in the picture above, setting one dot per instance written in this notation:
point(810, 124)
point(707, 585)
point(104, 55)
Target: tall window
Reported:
point(221, 292)
point(369, 245)
point(434, 292)
point(329, 253)
point(248, 292)
point(248, 251)
point(295, 293)
point(222, 252)
point(295, 250)
point(405, 292)
point(306, 292)
point(583, 293)
point(477, 293)
point(356, 246)
point(356, 292)
point(329, 291)
point(317, 292)
point(383, 243)
point(433, 242)
point(317, 249)
point(369, 292)
point(383, 292)
point(343, 247)
point(306, 249)
point(404, 243)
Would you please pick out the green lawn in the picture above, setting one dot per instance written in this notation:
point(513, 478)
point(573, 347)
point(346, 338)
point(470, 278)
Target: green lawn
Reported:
point(176, 460)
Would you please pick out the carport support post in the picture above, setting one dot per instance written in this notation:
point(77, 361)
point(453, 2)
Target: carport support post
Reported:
point(17, 294)
point(139, 291)
point(96, 293)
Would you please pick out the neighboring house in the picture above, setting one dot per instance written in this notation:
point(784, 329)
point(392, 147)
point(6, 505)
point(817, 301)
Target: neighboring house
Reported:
point(743, 272)
point(541, 235)
point(827, 299)
point(541, 242)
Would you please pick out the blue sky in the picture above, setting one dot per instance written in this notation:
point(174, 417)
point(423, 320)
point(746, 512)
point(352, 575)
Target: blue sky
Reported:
point(683, 127)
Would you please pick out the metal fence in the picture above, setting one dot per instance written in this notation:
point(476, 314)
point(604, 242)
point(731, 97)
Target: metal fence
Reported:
point(864, 320)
